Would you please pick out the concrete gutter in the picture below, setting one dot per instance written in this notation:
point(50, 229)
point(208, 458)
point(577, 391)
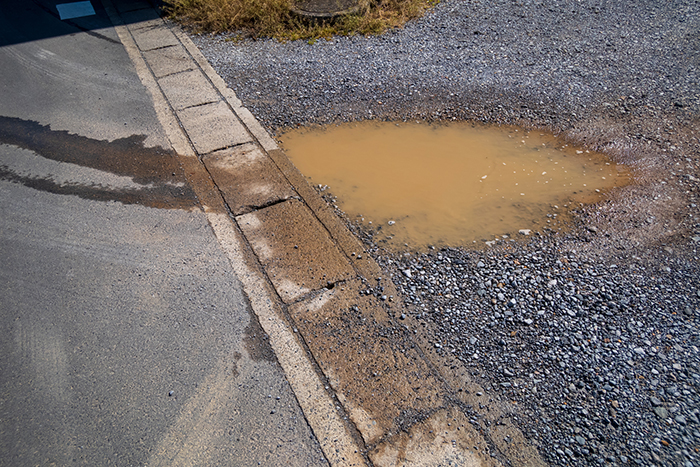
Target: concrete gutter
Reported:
point(371, 396)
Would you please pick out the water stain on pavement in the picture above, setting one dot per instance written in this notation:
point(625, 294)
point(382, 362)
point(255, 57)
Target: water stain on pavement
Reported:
point(156, 177)
point(257, 342)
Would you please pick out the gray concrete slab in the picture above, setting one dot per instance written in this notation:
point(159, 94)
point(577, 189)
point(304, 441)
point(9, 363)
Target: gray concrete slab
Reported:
point(298, 254)
point(188, 89)
point(167, 60)
point(213, 126)
point(129, 340)
point(155, 36)
point(247, 178)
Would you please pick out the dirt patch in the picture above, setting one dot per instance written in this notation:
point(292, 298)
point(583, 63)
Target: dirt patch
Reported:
point(375, 369)
point(257, 342)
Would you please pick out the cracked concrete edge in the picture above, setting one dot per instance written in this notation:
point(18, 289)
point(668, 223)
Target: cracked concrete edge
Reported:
point(333, 433)
point(348, 243)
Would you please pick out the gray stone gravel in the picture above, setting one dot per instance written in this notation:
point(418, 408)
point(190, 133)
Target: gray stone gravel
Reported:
point(602, 358)
point(592, 330)
point(549, 62)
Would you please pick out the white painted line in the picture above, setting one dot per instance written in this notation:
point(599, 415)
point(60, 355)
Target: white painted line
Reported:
point(75, 10)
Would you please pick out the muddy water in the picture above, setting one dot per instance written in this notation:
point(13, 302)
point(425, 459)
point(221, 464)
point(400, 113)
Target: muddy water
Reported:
point(452, 184)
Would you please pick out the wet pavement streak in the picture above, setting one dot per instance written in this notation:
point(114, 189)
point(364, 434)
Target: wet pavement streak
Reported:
point(154, 176)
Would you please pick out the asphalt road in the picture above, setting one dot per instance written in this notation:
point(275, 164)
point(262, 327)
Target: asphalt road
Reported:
point(126, 337)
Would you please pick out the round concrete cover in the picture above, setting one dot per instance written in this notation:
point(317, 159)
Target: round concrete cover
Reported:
point(325, 8)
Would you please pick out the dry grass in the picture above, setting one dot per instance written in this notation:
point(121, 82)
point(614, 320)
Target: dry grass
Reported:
point(274, 18)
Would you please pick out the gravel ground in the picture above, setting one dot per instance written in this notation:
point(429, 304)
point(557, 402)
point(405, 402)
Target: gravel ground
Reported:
point(593, 330)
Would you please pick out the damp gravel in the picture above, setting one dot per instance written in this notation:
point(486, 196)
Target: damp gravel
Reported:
point(592, 330)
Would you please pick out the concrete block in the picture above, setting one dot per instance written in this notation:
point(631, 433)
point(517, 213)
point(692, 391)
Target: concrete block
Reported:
point(188, 89)
point(247, 178)
point(153, 37)
point(347, 242)
point(168, 60)
point(213, 126)
point(379, 377)
point(295, 249)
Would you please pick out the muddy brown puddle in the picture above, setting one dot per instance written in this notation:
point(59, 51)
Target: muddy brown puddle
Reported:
point(450, 184)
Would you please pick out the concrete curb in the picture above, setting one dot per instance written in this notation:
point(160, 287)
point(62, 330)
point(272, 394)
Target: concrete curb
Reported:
point(158, 54)
point(302, 269)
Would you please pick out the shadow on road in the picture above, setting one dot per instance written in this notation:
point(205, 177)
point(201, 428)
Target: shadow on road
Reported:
point(40, 19)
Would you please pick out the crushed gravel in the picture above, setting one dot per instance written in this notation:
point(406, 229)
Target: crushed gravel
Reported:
point(594, 330)
point(601, 355)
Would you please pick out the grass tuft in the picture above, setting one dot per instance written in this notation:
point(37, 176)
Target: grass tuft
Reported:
point(274, 18)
